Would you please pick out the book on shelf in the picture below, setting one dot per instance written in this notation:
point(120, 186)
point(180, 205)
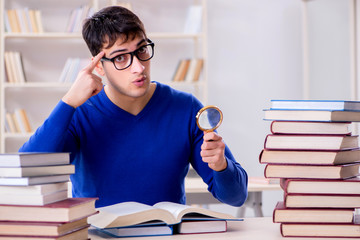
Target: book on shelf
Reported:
point(315, 157)
point(340, 105)
point(40, 229)
point(310, 142)
point(35, 171)
point(316, 230)
point(9, 120)
point(22, 120)
point(321, 186)
point(181, 70)
point(76, 18)
point(81, 234)
point(194, 70)
point(14, 67)
point(39, 199)
point(129, 214)
point(294, 200)
point(71, 69)
point(281, 214)
point(312, 115)
point(300, 127)
point(23, 20)
point(62, 211)
point(26, 159)
point(193, 20)
point(312, 171)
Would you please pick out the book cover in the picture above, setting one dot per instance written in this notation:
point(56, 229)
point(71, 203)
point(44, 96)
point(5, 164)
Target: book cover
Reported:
point(24, 159)
point(281, 214)
point(28, 181)
point(314, 157)
point(62, 211)
point(312, 115)
point(301, 127)
point(141, 230)
point(312, 171)
point(340, 105)
point(36, 171)
point(293, 200)
point(321, 186)
point(310, 142)
point(40, 189)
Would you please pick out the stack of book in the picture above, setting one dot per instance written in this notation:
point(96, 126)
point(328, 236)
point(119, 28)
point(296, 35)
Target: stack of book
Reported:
point(316, 156)
point(34, 202)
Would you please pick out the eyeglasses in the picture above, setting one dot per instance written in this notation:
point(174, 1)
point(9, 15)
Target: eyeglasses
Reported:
point(123, 61)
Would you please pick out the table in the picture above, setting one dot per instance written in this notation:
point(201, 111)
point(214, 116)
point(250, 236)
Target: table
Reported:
point(249, 229)
point(197, 193)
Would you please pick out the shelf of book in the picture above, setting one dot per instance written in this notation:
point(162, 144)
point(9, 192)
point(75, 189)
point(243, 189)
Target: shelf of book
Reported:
point(55, 37)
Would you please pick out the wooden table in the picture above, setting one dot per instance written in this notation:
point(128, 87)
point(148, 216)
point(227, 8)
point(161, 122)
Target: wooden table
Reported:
point(197, 193)
point(249, 229)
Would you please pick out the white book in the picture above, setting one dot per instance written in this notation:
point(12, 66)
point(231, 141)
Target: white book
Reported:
point(19, 67)
point(36, 200)
point(28, 181)
point(36, 190)
point(191, 70)
point(23, 159)
point(36, 171)
point(7, 22)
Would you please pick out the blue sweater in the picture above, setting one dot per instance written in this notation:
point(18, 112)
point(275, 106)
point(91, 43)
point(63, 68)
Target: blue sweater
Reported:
point(120, 157)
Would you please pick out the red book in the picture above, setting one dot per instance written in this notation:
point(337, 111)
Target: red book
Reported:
point(314, 157)
point(62, 211)
point(310, 142)
point(281, 214)
point(302, 127)
point(321, 201)
point(311, 171)
point(321, 186)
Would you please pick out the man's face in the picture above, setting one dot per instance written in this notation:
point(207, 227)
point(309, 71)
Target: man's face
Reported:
point(132, 82)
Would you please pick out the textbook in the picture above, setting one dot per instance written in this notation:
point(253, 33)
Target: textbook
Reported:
point(312, 115)
point(132, 213)
point(310, 142)
point(342, 230)
point(26, 159)
point(282, 214)
point(62, 211)
point(301, 127)
point(28, 181)
point(339, 105)
point(36, 171)
point(312, 171)
point(321, 186)
point(27, 199)
point(321, 201)
point(333, 157)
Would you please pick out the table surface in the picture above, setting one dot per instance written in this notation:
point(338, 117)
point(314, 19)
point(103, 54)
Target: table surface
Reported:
point(251, 228)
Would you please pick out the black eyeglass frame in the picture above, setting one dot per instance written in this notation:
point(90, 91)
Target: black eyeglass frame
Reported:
point(134, 53)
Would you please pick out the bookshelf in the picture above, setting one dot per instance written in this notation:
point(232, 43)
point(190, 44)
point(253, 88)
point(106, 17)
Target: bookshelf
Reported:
point(44, 54)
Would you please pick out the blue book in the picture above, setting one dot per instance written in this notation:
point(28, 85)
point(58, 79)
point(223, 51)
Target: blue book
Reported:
point(338, 105)
point(141, 230)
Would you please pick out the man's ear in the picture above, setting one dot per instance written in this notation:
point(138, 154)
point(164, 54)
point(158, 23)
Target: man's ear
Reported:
point(99, 68)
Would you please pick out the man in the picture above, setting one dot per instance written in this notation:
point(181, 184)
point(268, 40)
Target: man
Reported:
point(133, 139)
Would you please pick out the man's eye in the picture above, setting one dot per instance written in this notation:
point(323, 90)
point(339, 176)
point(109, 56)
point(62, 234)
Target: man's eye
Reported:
point(120, 58)
point(142, 49)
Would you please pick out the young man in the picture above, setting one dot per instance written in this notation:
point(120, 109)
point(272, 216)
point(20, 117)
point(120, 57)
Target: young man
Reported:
point(133, 139)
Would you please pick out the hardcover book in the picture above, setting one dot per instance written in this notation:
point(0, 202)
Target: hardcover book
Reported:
point(321, 201)
point(300, 127)
point(333, 157)
point(33, 159)
point(340, 105)
point(312, 171)
point(310, 142)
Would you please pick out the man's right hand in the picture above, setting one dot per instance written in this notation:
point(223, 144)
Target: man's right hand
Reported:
point(86, 84)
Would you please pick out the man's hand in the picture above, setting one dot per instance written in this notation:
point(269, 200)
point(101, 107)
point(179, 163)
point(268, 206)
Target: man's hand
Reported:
point(86, 84)
point(212, 151)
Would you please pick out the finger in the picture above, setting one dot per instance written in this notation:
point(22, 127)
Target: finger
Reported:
point(212, 136)
point(95, 61)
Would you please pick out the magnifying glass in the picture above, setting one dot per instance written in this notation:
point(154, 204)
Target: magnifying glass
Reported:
point(209, 118)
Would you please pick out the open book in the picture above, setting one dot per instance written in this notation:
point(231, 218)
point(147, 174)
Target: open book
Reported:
point(177, 216)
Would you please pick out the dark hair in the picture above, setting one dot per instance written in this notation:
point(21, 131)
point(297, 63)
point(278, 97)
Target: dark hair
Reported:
point(108, 25)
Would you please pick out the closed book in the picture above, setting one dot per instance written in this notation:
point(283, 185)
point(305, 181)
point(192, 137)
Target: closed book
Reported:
point(41, 228)
point(312, 115)
point(36, 171)
point(294, 200)
point(333, 157)
point(347, 230)
point(300, 127)
point(28, 181)
point(321, 186)
point(40, 200)
point(40, 189)
point(312, 171)
point(63, 211)
point(199, 226)
point(310, 142)
point(141, 230)
point(81, 234)
point(23, 159)
point(340, 105)
point(282, 214)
